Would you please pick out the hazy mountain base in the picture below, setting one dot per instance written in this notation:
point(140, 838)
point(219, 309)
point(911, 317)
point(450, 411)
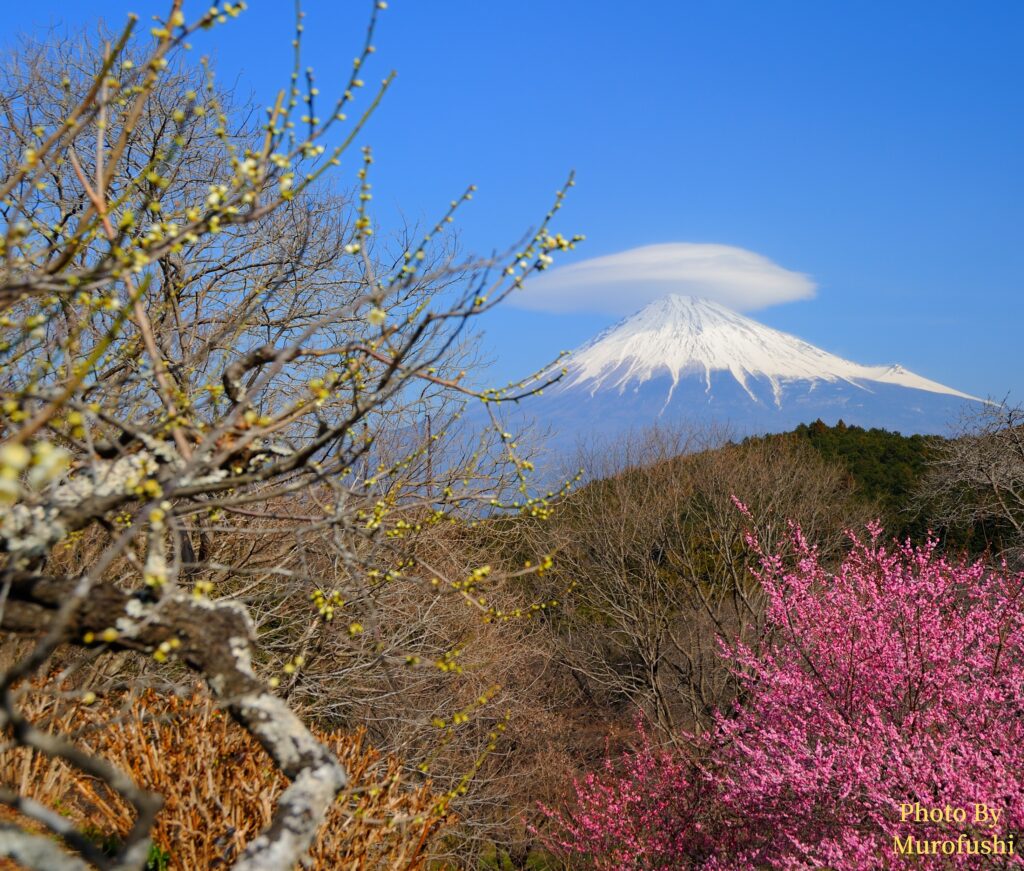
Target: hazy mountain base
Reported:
point(572, 412)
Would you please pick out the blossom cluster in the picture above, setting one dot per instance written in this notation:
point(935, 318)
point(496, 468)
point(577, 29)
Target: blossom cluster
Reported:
point(897, 678)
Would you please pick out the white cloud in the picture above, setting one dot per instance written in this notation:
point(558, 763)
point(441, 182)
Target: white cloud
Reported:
point(621, 283)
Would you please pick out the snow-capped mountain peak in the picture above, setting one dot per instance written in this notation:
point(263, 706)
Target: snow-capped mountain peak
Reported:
point(683, 336)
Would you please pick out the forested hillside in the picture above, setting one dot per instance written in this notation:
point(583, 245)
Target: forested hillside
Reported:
point(911, 483)
point(887, 467)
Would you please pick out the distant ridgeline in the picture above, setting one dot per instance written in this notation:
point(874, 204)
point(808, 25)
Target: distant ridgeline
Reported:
point(886, 470)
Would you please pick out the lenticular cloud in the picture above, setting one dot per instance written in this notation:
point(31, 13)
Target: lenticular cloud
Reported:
point(620, 283)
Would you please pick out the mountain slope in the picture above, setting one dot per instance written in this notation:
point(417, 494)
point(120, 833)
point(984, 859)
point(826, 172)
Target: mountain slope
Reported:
point(687, 359)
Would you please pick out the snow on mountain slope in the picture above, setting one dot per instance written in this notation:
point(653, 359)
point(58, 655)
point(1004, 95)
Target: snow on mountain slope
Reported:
point(682, 336)
point(688, 362)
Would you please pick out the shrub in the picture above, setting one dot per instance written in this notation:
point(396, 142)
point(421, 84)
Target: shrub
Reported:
point(219, 786)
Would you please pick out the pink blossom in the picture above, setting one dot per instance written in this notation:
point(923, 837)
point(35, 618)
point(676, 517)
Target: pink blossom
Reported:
point(897, 679)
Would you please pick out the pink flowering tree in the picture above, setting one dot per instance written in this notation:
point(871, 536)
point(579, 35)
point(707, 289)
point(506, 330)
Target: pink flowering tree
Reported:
point(895, 682)
point(898, 679)
point(640, 811)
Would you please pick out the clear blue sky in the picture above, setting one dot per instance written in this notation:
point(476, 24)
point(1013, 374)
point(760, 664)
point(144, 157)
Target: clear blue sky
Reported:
point(876, 146)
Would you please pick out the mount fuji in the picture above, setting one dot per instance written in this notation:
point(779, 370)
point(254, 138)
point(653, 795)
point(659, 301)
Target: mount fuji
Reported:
point(683, 359)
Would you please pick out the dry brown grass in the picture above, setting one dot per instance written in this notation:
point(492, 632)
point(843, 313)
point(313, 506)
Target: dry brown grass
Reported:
point(219, 786)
